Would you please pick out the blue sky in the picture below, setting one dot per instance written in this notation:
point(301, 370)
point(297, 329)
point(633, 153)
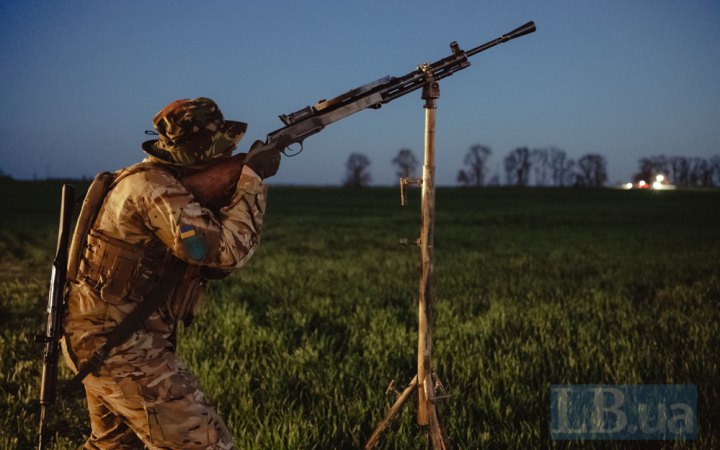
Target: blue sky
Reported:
point(81, 81)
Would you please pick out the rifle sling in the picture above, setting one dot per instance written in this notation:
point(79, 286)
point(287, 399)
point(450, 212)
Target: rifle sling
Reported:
point(130, 324)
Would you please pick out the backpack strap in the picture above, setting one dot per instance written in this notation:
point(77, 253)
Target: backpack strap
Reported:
point(129, 325)
point(94, 197)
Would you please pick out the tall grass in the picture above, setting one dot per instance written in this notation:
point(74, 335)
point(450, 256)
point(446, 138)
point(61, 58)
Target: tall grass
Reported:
point(532, 287)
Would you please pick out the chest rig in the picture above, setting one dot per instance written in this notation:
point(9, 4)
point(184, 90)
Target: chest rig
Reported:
point(118, 270)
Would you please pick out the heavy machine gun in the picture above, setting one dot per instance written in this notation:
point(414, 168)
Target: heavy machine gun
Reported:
point(212, 185)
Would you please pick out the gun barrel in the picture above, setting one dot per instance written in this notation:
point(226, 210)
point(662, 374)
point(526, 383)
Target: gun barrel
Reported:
point(516, 33)
point(521, 30)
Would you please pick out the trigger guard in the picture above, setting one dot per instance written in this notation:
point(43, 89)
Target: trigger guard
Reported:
point(289, 151)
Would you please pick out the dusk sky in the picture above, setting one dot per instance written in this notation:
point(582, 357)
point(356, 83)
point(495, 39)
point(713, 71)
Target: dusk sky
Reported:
point(81, 81)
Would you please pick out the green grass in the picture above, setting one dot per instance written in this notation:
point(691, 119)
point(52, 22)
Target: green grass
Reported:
point(533, 287)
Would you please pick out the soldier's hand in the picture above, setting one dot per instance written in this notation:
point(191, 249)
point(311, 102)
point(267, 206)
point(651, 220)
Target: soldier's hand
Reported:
point(264, 163)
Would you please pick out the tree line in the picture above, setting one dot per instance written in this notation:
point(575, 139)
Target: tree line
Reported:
point(681, 170)
point(546, 167)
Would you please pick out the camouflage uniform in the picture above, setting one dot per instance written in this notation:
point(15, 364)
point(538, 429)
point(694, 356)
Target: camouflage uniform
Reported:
point(142, 393)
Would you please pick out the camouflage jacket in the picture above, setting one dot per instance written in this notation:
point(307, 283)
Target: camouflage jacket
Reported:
point(147, 218)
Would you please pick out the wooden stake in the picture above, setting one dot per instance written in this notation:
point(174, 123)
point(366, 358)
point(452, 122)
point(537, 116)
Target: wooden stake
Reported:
point(427, 228)
point(385, 423)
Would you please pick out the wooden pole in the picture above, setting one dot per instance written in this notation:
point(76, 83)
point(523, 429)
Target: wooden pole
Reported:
point(426, 392)
point(426, 414)
point(427, 225)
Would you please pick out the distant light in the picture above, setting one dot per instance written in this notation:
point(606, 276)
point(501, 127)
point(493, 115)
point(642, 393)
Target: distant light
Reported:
point(627, 185)
point(642, 183)
point(660, 178)
point(663, 186)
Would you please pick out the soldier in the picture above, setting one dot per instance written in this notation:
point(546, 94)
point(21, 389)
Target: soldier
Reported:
point(142, 394)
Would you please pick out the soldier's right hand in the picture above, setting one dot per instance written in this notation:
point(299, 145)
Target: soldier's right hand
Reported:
point(265, 163)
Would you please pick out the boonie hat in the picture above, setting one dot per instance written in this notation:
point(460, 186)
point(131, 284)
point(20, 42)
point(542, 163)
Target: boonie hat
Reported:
point(192, 131)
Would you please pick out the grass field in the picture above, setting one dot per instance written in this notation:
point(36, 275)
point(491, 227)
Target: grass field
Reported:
point(533, 287)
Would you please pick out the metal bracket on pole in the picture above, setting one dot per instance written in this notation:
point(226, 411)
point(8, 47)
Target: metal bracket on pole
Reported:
point(431, 88)
point(404, 181)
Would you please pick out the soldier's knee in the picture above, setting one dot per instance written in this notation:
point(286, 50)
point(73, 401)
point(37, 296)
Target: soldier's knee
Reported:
point(177, 424)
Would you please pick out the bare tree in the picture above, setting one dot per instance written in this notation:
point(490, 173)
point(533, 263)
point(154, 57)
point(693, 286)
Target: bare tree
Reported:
point(649, 168)
point(517, 166)
point(541, 165)
point(701, 172)
point(715, 163)
point(680, 170)
point(357, 174)
point(476, 166)
point(645, 171)
point(662, 165)
point(462, 178)
point(406, 163)
point(561, 167)
point(592, 170)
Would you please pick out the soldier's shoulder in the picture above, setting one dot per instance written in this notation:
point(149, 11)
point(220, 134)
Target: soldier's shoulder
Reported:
point(146, 173)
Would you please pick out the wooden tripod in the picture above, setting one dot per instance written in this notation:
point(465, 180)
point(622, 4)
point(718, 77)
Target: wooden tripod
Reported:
point(426, 415)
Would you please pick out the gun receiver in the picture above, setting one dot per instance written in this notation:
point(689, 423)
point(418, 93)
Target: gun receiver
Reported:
point(301, 124)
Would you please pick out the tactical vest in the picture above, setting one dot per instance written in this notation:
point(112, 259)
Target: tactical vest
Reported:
point(117, 270)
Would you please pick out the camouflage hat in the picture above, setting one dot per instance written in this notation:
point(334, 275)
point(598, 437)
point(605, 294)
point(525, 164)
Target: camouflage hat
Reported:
point(193, 131)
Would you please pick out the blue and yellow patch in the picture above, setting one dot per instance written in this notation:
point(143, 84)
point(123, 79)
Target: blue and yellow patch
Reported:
point(193, 242)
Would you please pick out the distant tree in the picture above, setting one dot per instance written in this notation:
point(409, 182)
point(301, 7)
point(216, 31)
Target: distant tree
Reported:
point(701, 172)
point(645, 170)
point(541, 165)
point(357, 174)
point(561, 167)
point(649, 168)
point(406, 163)
point(462, 178)
point(715, 163)
point(591, 170)
point(517, 166)
point(662, 165)
point(680, 171)
point(475, 166)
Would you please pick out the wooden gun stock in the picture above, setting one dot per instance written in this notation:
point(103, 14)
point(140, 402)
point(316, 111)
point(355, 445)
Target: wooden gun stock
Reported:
point(214, 186)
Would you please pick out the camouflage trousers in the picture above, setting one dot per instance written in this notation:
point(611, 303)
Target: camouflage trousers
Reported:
point(157, 404)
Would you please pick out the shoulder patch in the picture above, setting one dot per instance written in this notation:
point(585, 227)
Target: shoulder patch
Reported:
point(193, 242)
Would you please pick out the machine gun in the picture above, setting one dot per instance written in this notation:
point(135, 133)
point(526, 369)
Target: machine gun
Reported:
point(213, 185)
point(55, 307)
